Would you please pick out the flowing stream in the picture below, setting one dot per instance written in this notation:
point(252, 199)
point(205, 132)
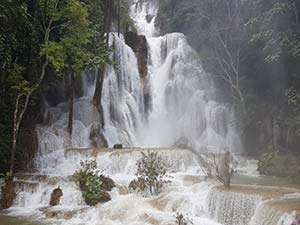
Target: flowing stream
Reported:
point(183, 103)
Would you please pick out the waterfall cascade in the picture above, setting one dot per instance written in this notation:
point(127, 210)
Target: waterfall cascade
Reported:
point(183, 105)
point(183, 99)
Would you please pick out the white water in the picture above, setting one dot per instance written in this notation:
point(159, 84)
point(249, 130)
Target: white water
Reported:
point(182, 99)
point(183, 106)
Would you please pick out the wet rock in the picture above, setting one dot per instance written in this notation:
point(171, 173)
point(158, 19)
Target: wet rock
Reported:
point(55, 196)
point(118, 146)
point(105, 197)
point(100, 197)
point(297, 220)
point(149, 18)
point(61, 213)
point(97, 137)
point(8, 194)
point(182, 142)
point(28, 145)
point(139, 45)
point(107, 183)
point(58, 215)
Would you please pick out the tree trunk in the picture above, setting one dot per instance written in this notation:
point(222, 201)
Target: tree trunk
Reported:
point(71, 104)
point(15, 132)
point(119, 18)
point(98, 94)
point(108, 19)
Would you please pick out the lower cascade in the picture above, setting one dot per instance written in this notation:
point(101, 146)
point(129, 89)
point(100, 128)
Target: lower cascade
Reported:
point(231, 208)
point(172, 109)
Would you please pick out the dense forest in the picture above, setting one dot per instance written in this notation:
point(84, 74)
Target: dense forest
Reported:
point(252, 48)
point(46, 44)
point(146, 112)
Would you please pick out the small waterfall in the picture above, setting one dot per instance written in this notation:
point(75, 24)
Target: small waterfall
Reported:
point(265, 215)
point(65, 163)
point(34, 192)
point(232, 208)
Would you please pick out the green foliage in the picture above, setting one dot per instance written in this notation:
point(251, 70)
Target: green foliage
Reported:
point(266, 29)
point(69, 53)
point(151, 173)
point(279, 164)
point(90, 183)
point(69, 33)
point(17, 82)
point(7, 176)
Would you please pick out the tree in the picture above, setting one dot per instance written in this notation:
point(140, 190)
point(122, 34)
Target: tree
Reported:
point(151, 173)
point(223, 167)
point(226, 42)
point(69, 55)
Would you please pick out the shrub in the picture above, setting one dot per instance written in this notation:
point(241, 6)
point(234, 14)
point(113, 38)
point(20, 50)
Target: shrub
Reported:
point(91, 183)
point(280, 164)
point(151, 173)
point(181, 220)
point(223, 167)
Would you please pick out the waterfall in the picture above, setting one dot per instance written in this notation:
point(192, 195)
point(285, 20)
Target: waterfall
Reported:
point(183, 99)
point(232, 208)
point(184, 105)
point(122, 95)
point(183, 93)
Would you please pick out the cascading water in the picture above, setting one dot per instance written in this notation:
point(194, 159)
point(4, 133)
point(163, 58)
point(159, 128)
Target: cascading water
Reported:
point(182, 99)
point(183, 94)
point(183, 105)
point(231, 208)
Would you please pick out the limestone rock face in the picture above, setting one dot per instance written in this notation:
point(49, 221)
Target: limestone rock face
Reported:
point(28, 144)
point(8, 194)
point(139, 45)
point(55, 196)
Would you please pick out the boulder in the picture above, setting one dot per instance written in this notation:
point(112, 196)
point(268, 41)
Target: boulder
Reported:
point(118, 146)
point(97, 137)
point(107, 183)
point(100, 197)
point(8, 194)
point(55, 196)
